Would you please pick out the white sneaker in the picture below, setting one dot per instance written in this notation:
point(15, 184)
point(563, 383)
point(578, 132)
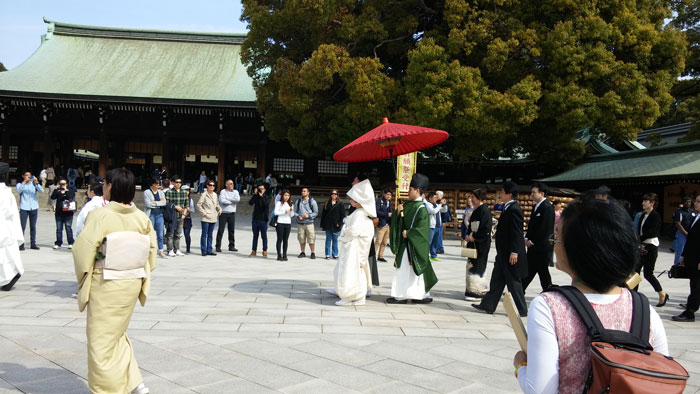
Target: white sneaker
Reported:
point(172, 254)
point(70, 246)
point(331, 292)
point(74, 295)
point(178, 253)
point(56, 246)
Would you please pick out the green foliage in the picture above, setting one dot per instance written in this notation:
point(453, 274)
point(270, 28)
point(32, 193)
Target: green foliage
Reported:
point(2, 67)
point(503, 77)
point(654, 140)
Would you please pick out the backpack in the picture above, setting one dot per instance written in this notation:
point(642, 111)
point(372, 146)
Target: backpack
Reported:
point(624, 362)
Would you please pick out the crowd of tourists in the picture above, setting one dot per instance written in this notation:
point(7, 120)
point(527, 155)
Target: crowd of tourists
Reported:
point(594, 239)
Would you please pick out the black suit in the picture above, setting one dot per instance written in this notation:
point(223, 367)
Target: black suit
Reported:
point(691, 259)
point(539, 230)
point(649, 228)
point(509, 239)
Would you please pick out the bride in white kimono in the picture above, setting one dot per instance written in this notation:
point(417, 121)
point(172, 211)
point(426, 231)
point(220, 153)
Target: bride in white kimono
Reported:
point(11, 235)
point(352, 274)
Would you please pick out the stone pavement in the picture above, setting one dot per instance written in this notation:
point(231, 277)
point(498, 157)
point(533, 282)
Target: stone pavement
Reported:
point(235, 324)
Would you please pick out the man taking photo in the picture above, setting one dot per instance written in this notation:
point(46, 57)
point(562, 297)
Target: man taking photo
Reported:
point(29, 205)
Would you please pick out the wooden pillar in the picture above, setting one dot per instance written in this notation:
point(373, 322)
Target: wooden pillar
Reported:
point(262, 159)
point(5, 154)
point(221, 155)
point(165, 140)
point(104, 148)
point(47, 147)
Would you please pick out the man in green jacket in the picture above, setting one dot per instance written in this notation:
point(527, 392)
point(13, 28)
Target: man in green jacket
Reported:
point(410, 243)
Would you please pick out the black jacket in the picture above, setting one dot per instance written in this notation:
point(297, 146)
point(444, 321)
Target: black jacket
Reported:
point(482, 236)
point(651, 227)
point(261, 207)
point(69, 195)
point(332, 217)
point(510, 239)
point(691, 250)
point(384, 207)
point(541, 227)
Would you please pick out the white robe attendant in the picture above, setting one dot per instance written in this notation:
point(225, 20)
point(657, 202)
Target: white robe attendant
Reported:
point(11, 236)
point(352, 274)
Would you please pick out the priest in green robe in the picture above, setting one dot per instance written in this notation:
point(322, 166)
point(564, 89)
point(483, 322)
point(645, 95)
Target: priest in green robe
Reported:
point(410, 243)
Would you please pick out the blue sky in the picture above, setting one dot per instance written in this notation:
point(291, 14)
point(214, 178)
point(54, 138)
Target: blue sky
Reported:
point(21, 23)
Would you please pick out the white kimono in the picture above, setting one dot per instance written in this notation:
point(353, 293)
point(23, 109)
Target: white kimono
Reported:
point(11, 235)
point(352, 274)
point(406, 285)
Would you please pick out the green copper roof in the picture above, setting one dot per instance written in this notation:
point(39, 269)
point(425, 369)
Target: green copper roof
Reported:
point(670, 160)
point(76, 60)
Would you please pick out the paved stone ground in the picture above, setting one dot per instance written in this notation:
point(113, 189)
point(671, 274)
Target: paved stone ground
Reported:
point(234, 324)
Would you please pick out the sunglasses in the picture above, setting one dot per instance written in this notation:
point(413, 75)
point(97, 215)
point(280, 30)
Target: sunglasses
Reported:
point(211, 184)
point(334, 194)
point(62, 184)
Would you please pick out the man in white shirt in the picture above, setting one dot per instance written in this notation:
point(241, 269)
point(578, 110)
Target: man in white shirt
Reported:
point(97, 200)
point(228, 199)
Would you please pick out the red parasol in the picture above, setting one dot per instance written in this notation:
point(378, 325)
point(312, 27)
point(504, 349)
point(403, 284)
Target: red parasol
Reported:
point(390, 140)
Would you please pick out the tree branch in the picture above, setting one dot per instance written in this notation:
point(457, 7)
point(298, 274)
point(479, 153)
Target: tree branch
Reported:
point(386, 41)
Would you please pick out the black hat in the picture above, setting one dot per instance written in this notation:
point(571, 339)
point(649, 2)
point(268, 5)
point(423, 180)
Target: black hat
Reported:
point(419, 181)
point(4, 168)
point(687, 198)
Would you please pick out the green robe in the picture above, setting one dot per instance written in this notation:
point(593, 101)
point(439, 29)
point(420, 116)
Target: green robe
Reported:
point(417, 240)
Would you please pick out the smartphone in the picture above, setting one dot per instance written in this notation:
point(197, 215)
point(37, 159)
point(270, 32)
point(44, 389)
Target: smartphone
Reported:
point(31, 177)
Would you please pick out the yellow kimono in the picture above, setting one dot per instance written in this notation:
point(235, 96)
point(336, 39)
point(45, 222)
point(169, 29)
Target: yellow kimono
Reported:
point(112, 367)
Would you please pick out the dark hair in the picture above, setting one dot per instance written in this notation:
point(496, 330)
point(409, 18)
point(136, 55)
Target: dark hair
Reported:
point(480, 194)
point(511, 188)
point(96, 188)
point(330, 197)
point(123, 185)
point(387, 190)
point(430, 195)
point(556, 202)
point(361, 176)
point(599, 242)
point(175, 178)
point(541, 187)
point(155, 181)
point(651, 197)
point(602, 190)
point(283, 191)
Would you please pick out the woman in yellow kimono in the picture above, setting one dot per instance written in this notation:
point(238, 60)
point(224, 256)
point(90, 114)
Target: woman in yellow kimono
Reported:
point(112, 367)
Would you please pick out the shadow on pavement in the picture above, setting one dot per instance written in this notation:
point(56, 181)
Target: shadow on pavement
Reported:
point(40, 380)
point(296, 289)
point(60, 288)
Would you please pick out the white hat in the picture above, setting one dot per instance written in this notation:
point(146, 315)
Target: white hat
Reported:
point(363, 193)
point(186, 187)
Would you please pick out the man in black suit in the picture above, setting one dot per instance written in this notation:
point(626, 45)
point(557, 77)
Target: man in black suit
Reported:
point(511, 261)
point(539, 230)
point(691, 259)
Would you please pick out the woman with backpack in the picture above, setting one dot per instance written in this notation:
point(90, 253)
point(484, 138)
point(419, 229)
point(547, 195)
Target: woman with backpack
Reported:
point(331, 222)
point(594, 245)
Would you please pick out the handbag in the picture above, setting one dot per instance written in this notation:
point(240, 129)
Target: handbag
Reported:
point(469, 253)
point(273, 221)
point(679, 272)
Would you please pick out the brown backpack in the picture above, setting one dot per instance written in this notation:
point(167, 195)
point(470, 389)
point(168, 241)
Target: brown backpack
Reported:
point(624, 362)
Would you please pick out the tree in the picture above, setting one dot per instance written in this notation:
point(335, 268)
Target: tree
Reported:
point(504, 77)
point(2, 67)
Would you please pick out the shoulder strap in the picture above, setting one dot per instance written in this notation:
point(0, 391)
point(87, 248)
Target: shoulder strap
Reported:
point(416, 214)
point(641, 317)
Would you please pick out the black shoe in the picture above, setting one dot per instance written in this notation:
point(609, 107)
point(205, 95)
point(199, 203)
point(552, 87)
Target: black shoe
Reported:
point(21, 247)
point(301, 255)
point(382, 259)
point(232, 250)
point(682, 306)
point(660, 304)
point(392, 300)
point(423, 301)
point(481, 308)
point(218, 250)
point(328, 257)
point(523, 314)
point(469, 296)
point(211, 254)
point(680, 318)
point(313, 256)
point(187, 251)
point(34, 247)
point(334, 257)
point(284, 258)
point(279, 258)
point(9, 286)
point(204, 254)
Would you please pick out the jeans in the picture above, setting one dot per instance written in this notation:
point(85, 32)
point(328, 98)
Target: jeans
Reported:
point(186, 229)
point(678, 245)
point(283, 230)
point(440, 247)
point(434, 241)
point(331, 241)
point(62, 221)
point(173, 235)
point(259, 227)
point(224, 220)
point(200, 187)
point(32, 215)
point(158, 223)
point(207, 237)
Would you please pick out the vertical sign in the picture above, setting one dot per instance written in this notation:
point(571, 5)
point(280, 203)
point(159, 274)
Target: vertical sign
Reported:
point(406, 167)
